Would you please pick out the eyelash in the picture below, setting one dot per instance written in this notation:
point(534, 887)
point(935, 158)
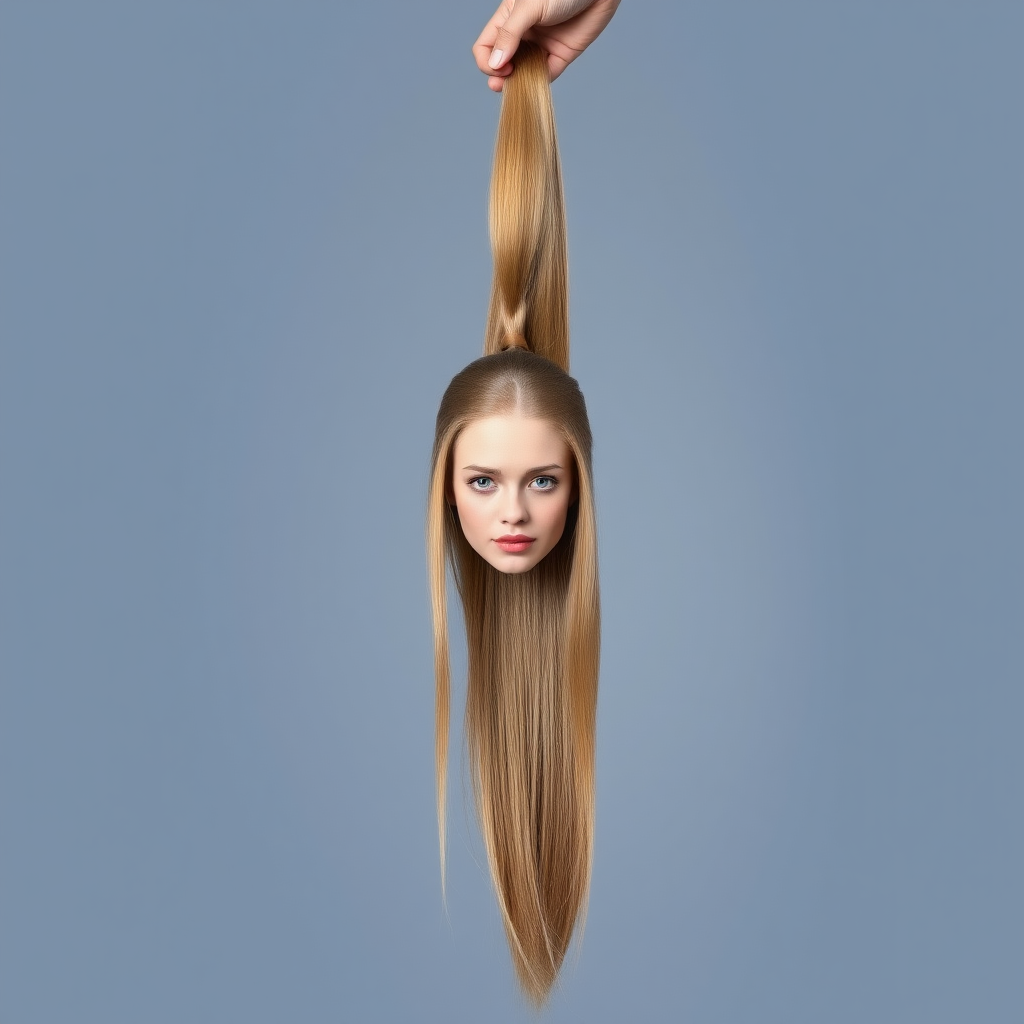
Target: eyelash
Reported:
point(486, 490)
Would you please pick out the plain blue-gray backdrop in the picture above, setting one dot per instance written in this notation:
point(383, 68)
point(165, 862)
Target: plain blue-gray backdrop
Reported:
point(244, 249)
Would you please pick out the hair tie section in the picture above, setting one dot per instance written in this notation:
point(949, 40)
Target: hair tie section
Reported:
point(513, 339)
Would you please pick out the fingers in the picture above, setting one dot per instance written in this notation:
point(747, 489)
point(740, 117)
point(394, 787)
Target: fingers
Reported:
point(501, 36)
point(525, 14)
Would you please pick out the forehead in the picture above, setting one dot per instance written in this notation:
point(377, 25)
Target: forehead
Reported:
point(510, 441)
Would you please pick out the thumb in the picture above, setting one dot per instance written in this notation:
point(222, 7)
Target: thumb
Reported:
point(525, 14)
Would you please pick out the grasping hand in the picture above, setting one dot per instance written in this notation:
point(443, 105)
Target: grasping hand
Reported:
point(562, 28)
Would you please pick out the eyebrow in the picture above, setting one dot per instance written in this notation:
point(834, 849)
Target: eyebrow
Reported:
point(497, 472)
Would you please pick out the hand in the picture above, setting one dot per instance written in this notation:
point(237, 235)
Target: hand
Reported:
point(563, 28)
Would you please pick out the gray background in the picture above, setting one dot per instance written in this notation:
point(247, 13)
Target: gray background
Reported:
point(244, 249)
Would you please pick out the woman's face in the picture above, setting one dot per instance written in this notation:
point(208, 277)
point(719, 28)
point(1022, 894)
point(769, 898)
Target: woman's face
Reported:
point(513, 483)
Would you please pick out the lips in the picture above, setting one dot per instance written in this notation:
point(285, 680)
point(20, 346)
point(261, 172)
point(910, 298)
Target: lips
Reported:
point(514, 544)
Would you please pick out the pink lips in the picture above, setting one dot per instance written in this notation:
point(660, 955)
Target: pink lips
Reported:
point(514, 544)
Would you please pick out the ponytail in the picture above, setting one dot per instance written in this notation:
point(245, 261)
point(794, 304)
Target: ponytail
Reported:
point(530, 294)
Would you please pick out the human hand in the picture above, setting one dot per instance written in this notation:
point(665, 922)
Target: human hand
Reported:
point(562, 28)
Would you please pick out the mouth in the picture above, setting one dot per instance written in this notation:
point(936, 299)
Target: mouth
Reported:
point(514, 544)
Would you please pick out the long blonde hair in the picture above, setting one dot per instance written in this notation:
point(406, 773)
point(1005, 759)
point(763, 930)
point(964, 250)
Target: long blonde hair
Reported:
point(533, 637)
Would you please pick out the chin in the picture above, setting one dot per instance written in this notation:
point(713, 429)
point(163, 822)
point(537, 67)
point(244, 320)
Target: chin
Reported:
point(510, 565)
point(514, 570)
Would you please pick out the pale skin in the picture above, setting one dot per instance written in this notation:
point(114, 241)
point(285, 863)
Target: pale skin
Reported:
point(562, 28)
point(512, 483)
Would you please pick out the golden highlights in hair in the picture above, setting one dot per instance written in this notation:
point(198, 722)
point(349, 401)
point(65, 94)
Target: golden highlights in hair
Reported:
point(533, 637)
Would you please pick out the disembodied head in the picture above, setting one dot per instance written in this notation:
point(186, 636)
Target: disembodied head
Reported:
point(512, 458)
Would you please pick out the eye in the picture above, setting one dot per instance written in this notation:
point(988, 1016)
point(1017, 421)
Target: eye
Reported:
point(545, 483)
point(481, 483)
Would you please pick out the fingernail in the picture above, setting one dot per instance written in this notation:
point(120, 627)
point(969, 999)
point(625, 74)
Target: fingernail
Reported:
point(495, 58)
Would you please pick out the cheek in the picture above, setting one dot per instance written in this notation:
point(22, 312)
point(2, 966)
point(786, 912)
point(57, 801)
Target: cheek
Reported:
point(554, 515)
point(472, 518)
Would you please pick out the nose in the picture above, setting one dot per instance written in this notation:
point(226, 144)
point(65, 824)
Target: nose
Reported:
point(514, 511)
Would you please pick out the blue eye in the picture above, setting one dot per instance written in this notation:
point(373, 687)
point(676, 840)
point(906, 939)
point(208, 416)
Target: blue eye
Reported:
point(481, 483)
point(545, 483)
